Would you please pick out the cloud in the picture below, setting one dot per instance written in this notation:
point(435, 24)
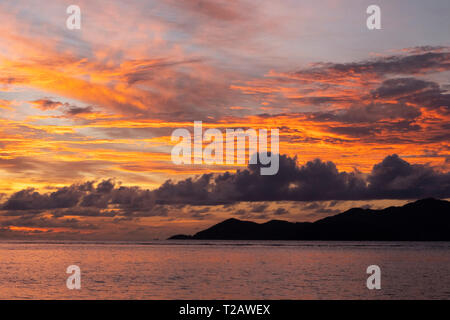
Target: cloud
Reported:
point(198, 191)
point(384, 100)
point(217, 10)
point(370, 113)
point(398, 87)
point(66, 108)
point(317, 180)
point(73, 111)
point(422, 93)
point(47, 104)
point(397, 179)
point(29, 199)
point(410, 64)
point(45, 222)
point(280, 211)
point(85, 199)
point(259, 208)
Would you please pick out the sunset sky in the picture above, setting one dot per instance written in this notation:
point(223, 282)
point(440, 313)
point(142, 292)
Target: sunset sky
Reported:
point(87, 115)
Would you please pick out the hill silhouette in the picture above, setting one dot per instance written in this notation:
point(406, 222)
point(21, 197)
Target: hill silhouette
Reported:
point(423, 220)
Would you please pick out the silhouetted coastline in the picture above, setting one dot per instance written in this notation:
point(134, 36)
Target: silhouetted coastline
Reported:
point(422, 220)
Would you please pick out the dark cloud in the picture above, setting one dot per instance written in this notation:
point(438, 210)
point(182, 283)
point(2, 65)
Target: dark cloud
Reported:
point(84, 200)
point(73, 111)
point(321, 100)
point(426, 94)
point(421, 49)
point(402, 86)
point(403, 99)
point(27, 199)
point(321, 208)
point(398, 105)
point(200, 214)
point(393, 178)
point(370, 113)
point(374, 99)
point(259, 207)
point(43, 222)
point(146, 70)
point(355, 130)
point(245, 214)
point(197, 190)
point(47, 104)
point(411, 64)
point(66, 108)
point(280, 211)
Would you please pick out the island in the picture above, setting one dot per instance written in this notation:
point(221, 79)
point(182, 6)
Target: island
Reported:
point(422, 220)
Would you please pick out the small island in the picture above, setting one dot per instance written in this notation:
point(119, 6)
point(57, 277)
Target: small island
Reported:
point(422, 220)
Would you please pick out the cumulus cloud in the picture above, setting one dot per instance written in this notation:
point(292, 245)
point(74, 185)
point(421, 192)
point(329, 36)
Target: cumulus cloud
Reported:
point(397, 179)
point(87, 199)
point(393, 178)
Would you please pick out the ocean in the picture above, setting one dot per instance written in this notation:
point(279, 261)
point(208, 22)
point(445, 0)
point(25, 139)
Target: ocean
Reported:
point(224, 270)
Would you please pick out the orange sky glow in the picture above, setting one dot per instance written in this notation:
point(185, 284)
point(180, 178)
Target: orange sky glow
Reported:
point(100, 104)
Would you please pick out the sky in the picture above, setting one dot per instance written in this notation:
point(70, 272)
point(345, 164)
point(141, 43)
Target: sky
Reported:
point(87, 115)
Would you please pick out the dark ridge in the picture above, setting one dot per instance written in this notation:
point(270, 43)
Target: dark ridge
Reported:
point(180, 237)
point(422, 220)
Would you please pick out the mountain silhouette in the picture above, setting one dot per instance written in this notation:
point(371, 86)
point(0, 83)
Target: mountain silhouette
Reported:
point(423, 220)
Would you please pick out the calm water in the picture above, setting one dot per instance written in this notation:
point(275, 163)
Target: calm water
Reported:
point(224, 270)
